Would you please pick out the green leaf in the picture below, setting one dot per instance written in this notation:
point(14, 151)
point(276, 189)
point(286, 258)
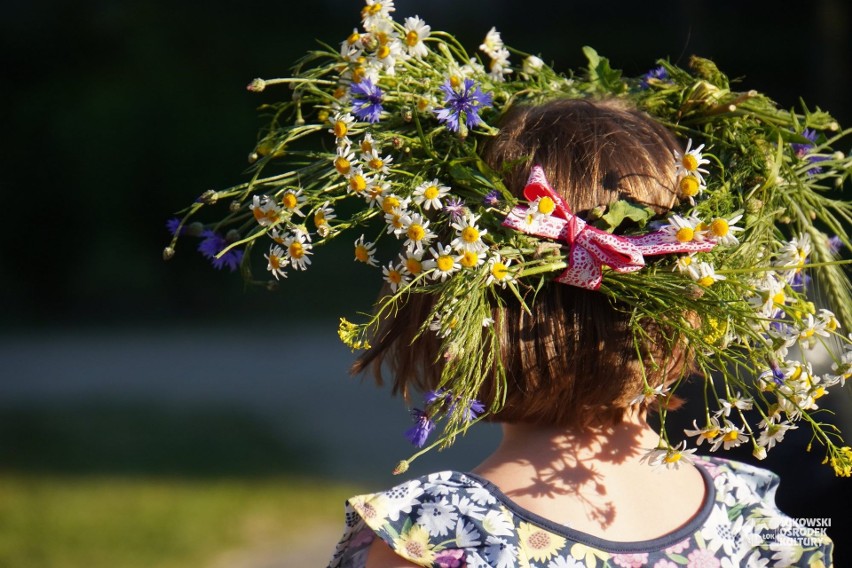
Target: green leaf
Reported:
point(601, 74)
point(623, 209)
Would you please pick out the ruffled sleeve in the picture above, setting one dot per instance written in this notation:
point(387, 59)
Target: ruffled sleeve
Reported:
point(446, 520)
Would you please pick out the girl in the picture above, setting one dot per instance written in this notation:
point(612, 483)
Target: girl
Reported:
point(570, 483)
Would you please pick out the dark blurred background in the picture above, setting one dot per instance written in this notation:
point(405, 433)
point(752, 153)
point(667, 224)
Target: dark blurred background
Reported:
point(117, 114)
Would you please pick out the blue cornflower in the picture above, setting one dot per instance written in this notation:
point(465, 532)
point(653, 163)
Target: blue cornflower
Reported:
point(474, 408)
point(492, 198)
point(659, 73)
point(800, 282)
point(367, 100)
point(423, 426)
point(172, 226)
point(212, 242)
point(463, 105)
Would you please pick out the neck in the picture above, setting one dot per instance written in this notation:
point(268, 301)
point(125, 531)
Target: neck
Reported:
point(568, 459)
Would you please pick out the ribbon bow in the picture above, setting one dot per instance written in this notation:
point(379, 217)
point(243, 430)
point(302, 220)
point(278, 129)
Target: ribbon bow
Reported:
point(590, 248)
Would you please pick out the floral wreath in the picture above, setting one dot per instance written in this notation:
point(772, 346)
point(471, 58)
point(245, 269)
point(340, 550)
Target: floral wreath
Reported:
point(401, 110)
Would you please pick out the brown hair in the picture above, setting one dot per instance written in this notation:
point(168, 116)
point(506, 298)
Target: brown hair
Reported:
point(571, 360)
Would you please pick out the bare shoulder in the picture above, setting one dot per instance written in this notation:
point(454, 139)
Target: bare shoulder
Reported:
point(381, 556)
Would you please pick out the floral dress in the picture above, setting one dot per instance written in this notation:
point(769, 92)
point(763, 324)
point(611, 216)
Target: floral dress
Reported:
point(456, 520)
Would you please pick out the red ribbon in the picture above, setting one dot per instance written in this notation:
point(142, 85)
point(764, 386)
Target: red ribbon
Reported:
point(590, 248)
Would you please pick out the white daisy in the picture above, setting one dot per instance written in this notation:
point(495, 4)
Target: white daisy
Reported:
point(704, 274)
point(298, 250)
point(340, 124)
point(292, 201)
point(498, 271)
point(723, 231)
point(681, 229)
point(365, 252)
point(709, 433)
point(532, 65)
point(417, 232)
point(276, 261)
point(493, 43)
point(443, 263)
point(416, 30)
point(397, 220)
point(690, 162)
point(394, 276)
point(266, 212)
point(468, 235)
point(428, 195)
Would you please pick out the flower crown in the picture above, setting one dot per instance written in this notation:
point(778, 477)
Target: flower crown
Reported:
point(400, 110)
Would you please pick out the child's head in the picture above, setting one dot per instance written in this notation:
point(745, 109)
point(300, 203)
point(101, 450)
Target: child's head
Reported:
point(571, 360)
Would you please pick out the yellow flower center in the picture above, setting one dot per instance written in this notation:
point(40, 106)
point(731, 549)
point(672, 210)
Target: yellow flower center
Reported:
point(731, 436)
point(706, 281)
point(342, 165)
point(422, 104)
point(546, 206)
point(389, 204)
point(672, 457)
point(358, 75)
point(322, 115)
point(685, 260)
point(296, 250)
point(361, 253)
point(353, 38)
point(499, 270)
point(340, 129)
point(832, 324)
point(779, 298)
point(690, 162)
point(416, 232)
point(469, 259)
point(470, 234)
point(685, 234)
point(719, 227)
point(394, 276)
point(411, 38)
point(376, 163)
point(431, 192)
point(383, 51)
point(808, 333)
point(413, 265)
point(383, 38)
point(455, 81)
point(366, 146)
point(339, 92)
point(444, 263)
point(375, 191)
point(319, 218)
point(689, 186)
point(796, 374)
point(396, 221)
point(289, 200)
point(712, 433)
point(270, 216)
point(274, 262)
point(357, 183)
point(819, 392)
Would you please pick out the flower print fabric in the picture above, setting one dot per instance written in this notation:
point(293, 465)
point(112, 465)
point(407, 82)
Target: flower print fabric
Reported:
point(458, 520)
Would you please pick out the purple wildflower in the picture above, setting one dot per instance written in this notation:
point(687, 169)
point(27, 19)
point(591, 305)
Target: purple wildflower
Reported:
point(463, 105)
point(367, 101)
point(423, 426)
point(834, 245)
point(212, 243)
point(657, 73)
point(777, 373)
point(802, 150)
point(454, 207)
point(492, 198)
point(800, 282)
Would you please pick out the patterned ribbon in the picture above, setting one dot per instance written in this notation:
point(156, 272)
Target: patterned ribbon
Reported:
point(590, 248)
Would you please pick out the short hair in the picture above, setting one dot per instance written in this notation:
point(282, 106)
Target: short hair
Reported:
point(571, 360)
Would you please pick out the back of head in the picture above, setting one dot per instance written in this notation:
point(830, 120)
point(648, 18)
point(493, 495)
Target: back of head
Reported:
point(570, 359)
